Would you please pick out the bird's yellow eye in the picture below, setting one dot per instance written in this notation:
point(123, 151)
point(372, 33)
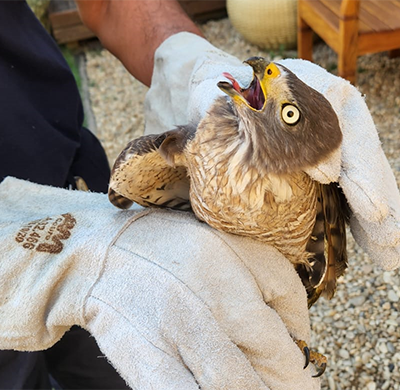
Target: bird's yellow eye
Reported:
point(290, 114)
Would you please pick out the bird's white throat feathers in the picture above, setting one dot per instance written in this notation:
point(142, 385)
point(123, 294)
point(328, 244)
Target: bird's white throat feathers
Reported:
point(248, 174)
point(230, 165)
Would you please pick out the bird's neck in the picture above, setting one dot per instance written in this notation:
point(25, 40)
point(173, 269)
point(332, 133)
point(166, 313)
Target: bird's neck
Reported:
point(229, 154)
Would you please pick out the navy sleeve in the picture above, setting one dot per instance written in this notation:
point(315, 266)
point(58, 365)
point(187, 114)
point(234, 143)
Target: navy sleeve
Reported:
point(41, 112)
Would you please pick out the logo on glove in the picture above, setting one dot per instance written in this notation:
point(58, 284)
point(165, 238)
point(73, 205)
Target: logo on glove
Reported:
point(45, 235)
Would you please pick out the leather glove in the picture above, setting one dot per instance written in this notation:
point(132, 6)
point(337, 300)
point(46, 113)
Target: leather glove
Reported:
point(184, 85)
point(172, 303)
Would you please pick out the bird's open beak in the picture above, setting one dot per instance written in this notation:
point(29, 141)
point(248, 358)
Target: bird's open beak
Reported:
point(259, 64)
point(253, 96)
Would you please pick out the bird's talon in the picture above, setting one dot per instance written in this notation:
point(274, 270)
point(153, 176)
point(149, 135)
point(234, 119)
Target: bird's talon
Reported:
point(313, 357)
point(320, 370)
point(306, 352)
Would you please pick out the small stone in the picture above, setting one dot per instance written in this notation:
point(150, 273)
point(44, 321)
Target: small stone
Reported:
point(366, 357)
point(350, 335)
point(393, 297)
point(367, 269)
point(387, 277)
point(344, 354)
point(371, 385)
point(361, 328)
point(390, 347)
point(396, 356)
point(392, 330)
point(393, 315)
point(382, 348)
point(386, 385)
point(331, 383)
point(357, 301)
point(340, 325)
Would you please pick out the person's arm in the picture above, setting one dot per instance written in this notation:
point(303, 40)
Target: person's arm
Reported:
point(132, 30)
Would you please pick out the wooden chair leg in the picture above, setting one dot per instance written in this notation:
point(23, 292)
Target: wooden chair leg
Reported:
point(347, 69)
point(347, 54)
point(304, 39)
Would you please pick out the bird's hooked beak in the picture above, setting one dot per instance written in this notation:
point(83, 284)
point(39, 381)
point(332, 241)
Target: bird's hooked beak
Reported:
point(259, 65)
point(254, 95)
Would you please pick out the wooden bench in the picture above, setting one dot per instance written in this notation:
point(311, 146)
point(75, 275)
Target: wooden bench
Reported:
point(66, 24)
point(350, 27)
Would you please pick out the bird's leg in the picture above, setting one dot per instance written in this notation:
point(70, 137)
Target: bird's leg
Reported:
point(313, 357)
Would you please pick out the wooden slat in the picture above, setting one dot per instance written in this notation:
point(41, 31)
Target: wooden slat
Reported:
point(377, 42)
point(66, 23)
point(363, 27)
point(61, 5)
point(323, 21)
point(384, 15)
point(65, 18)
point(72, 34)
point(372, 20)
point(202, 10)
point(333, 5)
point(201, 7)
point(318, 9)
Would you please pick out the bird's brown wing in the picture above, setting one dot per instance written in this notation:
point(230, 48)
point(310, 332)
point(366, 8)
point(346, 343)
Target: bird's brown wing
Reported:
point(327, 244)
point(151, 171)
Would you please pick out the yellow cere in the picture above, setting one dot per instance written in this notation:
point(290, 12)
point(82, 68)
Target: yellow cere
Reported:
point(271, 71)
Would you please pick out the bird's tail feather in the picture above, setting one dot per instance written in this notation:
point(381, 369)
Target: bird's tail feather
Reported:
point(327, 244)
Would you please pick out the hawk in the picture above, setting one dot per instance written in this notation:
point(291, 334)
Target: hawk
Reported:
point(242, 170)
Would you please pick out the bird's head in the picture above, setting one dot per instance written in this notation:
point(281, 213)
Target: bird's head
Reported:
point(294, 125)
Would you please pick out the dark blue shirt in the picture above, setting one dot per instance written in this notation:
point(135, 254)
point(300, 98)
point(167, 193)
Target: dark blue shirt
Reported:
point(41, 115)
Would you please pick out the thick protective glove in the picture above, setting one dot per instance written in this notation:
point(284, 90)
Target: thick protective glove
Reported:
point(184, 85)
point(172, 303)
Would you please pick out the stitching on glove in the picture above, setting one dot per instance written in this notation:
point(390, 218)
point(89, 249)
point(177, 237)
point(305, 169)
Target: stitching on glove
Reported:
point(169, 342)
point(123, 228)
point(154, 263)
point(133, 326)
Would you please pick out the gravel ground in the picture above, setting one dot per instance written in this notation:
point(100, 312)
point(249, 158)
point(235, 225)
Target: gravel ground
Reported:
point(358, 330)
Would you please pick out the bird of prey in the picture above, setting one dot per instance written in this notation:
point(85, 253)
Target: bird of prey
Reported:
point(242, 171)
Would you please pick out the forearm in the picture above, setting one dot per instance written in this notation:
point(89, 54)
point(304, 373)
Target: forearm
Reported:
point(133, 29)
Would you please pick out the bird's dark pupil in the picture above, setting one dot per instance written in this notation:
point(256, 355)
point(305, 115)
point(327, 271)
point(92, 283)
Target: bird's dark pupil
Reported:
point(269, 71)
point(290, 114)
